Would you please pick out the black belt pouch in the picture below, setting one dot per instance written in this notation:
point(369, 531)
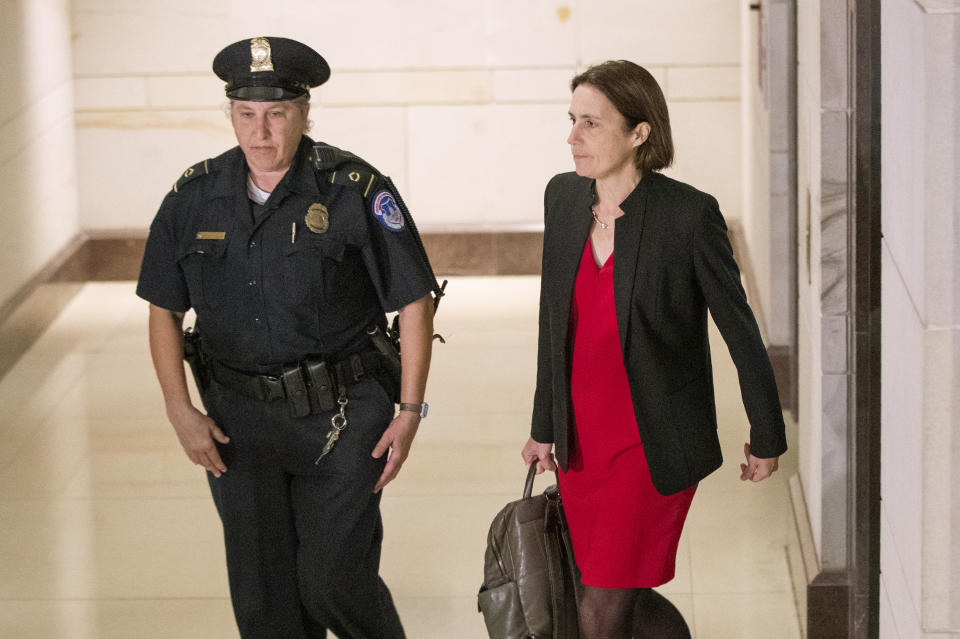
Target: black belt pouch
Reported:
point(322, 385)
point(296, 388)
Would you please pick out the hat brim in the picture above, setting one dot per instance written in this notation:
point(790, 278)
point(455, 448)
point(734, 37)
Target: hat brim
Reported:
point(265, 94)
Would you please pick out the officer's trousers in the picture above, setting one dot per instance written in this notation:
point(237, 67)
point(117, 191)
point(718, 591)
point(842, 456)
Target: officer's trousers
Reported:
point(303, 539)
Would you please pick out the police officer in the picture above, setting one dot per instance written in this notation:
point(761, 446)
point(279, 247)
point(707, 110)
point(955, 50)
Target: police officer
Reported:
point(290, 253)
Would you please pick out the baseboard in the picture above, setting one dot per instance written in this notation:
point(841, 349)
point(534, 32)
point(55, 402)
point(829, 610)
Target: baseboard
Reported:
point(31, 310)
point(828, 605)
point(485, 253)
point(117, 255)
point(822, 597)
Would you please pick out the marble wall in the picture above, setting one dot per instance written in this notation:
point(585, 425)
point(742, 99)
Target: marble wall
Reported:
point(810, 392)
point(920, 524)
point(824, 195)
point(835, 265)
point(464, 104)
point(769, 167)
point(38, 208)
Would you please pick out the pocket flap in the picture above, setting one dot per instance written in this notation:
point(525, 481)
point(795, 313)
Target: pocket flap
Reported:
point(206, 247)
point(328, 244)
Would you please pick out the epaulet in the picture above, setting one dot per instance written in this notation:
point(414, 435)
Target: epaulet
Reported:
point(195, 171)
point(342, 167)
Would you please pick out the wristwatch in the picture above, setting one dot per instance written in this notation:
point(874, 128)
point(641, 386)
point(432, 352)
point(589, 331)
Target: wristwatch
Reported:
point(419, 409)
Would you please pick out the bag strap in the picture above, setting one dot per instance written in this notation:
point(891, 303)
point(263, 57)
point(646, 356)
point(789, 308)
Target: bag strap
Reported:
point(574, 570)
point(531, 475)
point(555, 580)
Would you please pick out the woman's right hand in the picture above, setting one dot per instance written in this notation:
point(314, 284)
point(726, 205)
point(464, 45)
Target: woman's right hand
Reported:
point(534, 450)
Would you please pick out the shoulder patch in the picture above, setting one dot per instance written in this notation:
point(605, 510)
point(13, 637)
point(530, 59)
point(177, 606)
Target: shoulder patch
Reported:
point(195, 171)
point(385, 210)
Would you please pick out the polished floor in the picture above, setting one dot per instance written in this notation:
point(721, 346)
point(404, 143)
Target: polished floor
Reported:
point(107, 531)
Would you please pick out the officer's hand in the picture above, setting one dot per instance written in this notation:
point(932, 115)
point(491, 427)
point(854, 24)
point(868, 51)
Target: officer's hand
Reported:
point(398, 437)
point(197, 433)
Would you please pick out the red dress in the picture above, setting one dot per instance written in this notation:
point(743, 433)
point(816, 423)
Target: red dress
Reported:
point(625, 534)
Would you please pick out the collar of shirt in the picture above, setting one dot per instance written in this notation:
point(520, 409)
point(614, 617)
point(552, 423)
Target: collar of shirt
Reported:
point(300, 177)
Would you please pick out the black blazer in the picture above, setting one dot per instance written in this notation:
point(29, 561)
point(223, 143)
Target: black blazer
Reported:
point(672, 261)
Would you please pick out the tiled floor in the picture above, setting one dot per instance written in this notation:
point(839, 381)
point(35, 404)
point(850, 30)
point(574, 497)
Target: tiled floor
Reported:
point(108, 532)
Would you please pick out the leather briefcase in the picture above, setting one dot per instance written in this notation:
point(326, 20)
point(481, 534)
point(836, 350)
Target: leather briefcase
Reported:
point(530, 579)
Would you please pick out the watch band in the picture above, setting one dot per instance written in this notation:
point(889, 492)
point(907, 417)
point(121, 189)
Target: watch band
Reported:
point(419, 409)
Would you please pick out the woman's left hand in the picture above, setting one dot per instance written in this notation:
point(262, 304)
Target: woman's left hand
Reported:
point(757, 468)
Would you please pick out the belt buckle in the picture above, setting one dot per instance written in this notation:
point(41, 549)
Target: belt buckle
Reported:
point(272, 387)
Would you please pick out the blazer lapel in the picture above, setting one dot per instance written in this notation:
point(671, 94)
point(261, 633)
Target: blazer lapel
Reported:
point(626, 253)
point(573, 237)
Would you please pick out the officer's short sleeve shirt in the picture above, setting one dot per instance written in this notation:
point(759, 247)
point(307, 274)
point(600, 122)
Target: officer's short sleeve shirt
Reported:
point(322, 263)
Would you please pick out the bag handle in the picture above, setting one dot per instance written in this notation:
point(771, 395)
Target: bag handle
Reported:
point(531, 474)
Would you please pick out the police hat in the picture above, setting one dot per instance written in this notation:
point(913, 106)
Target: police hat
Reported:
point(269, 69)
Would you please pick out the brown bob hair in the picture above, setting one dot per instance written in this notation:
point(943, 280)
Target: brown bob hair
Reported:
point(638, 98)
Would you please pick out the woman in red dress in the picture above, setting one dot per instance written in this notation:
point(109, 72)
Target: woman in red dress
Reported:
point(632, 262)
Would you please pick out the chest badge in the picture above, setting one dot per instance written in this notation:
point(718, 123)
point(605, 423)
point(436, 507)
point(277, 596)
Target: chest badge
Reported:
point(318, 218)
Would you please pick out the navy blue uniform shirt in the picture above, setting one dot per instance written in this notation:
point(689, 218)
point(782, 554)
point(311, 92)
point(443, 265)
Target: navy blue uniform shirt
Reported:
point(275, 289)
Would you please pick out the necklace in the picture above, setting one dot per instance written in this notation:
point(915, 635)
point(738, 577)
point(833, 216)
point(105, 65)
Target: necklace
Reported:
point(596, 217)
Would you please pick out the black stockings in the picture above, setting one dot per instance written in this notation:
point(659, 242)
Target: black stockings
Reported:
point(638, 613)
point(655, 617)
point(606, 613)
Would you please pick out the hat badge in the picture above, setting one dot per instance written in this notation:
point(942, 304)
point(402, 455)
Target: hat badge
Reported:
point(260, 59)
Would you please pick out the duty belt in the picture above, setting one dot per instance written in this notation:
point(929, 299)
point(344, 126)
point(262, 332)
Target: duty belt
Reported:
point(309, 385)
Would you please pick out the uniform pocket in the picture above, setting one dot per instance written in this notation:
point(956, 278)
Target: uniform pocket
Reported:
point(303, 264)
point(204, 267)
